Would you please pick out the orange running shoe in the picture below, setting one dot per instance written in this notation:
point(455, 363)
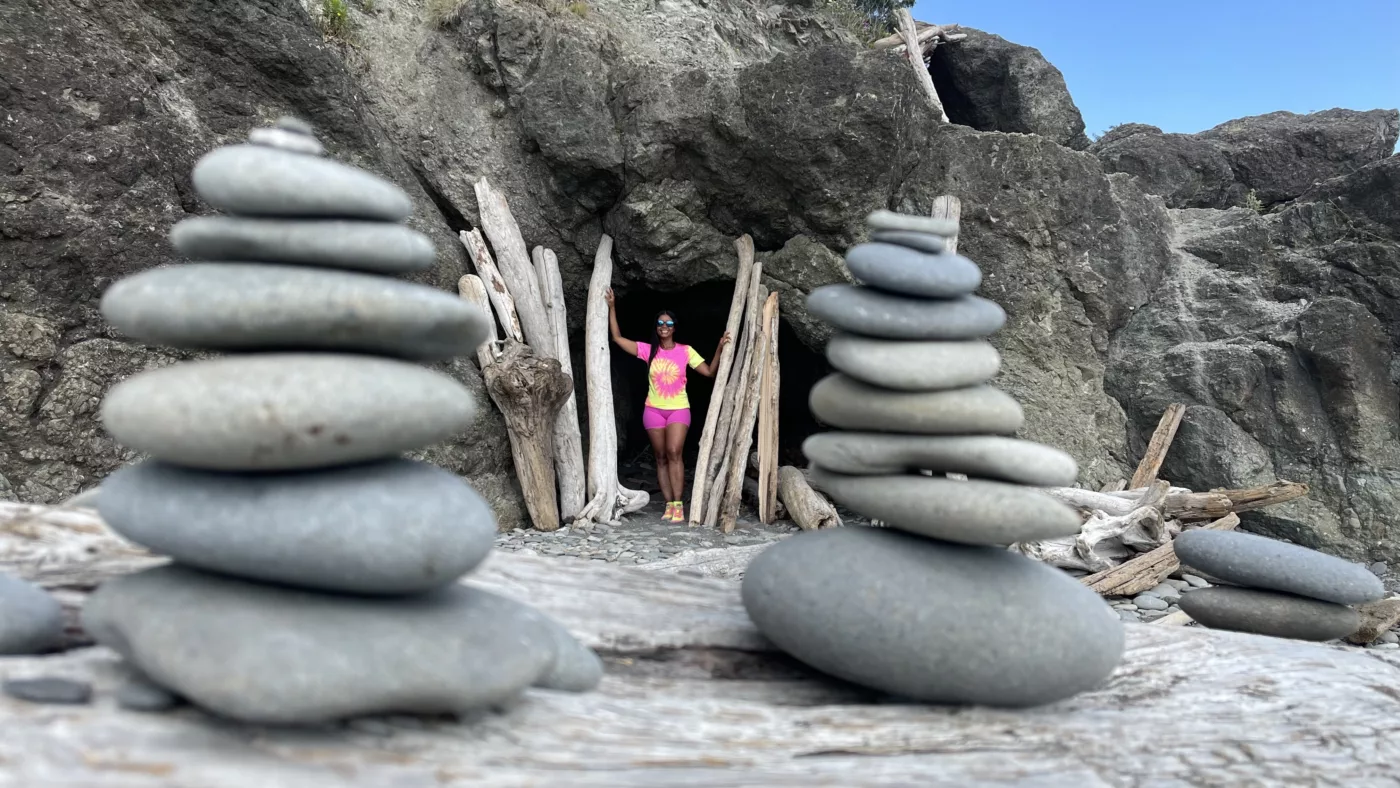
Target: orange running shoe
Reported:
point(680, 512)
point(670, 511)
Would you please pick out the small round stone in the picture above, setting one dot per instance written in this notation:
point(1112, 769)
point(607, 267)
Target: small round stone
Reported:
point(1150, 602)
point(873, 313)
point(1254, 561)
point(1269, 613)
point(286, 140)
point(1195, 582)
point(985, 456)
point(391, 527)
point(294, 124)
point(379, 247)
point(849, 404)
point(257, 306)
point(933, 244)
point(889, 220)
point(254, 180)
point(141, 694)
point(284, 411)
point(31, 620)
point(964, 511)
point(932, 621)
point(910, 365)
point(899, 269)
point(49, 690)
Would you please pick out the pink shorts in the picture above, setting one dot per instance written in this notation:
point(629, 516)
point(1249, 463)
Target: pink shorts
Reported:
point(658, 419)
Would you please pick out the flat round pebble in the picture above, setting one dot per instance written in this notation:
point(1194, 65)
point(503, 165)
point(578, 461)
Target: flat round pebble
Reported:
point(49, 690)
point(255, 306)
point(255, 180)
point(1269, 613)
point(380, 247)
point(889, 220)
point(1195, 582)
point(389, 527)
point(286, 140)
point(141, 694)
point(268, 654)
point(969, 512)
point(1150, 602)
point(31, 620)
point(849, 404)
point(933, 244)
point(1255, 561)
point(911, 365)
point(283, 411)
point(932, 621)
point(985, 456)
point(899, 269)
point(294, 124)
point(870, 312)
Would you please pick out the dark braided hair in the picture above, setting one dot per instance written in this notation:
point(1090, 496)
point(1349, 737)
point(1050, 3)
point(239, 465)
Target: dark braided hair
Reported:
point(656, 334)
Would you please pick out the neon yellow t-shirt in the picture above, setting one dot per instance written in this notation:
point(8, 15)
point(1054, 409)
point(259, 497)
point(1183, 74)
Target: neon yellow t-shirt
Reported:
point(667, 388)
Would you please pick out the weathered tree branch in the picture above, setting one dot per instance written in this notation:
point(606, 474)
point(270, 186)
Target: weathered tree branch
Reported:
point(1156, 451)
point(471, 288)
point(948, 207)
point(719, 458)
point(529, 389)
point(516, 269)
point(495, 286)
point(768, 424)
point(915, 55)
point(1148, 569)
point(808, 508)
point(747, 416)
point(568, 441)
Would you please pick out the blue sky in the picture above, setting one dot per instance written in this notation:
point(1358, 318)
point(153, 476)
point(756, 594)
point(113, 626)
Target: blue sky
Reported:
point(1189, 65)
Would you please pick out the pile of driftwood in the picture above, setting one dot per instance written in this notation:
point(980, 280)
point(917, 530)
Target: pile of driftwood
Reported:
point(1126, 540)
point(916, 42)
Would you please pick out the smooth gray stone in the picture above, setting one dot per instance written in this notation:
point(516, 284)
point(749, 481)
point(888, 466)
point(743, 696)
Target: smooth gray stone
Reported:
point(873, 313)
point(255, 180)
point(389, 527)
point(1269, 613)
point(256, 306)
point(1150, 602)
point(284, 411)
point(983, 456)
point(286, 140)
point(899, 269)
point(889, 220)
point(379, 247)
point(966, 511)
point(294, 124)
point(141, 694)
point(49, 690)
point(31, 620)
point(932, 621)
point(910, 365)
point(924, 242)
point(270, 654)
point(849, 404)
point(1254, 561)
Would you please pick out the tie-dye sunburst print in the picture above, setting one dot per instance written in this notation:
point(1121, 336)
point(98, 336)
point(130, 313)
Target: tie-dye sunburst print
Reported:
point(667, 388)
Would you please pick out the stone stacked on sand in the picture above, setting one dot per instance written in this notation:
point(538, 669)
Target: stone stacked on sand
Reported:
point(315, 570)
point(1276, 588)
point(934, 607)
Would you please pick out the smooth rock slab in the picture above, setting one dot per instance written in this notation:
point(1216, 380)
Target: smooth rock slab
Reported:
point(933, 244)
point(873, 313)
point(965, 511)
point(909, 365)
point(1269, 613)
point(390, 527)
point(1254, 561)
point(49, 690)
point(31, 621)
point(269, 654)
point(284, 411)
point(252, 306)
point(889, 220)
point(849, 404)
point(899, 269)
point(255, 180)
point(932, 621)
point(380, 247)
point(985, 456)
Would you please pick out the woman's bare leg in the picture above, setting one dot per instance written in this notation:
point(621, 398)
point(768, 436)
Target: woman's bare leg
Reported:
point(663, 465)
point(675, 445)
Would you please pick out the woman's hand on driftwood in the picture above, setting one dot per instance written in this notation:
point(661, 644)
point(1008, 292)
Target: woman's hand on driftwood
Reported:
point(610, 298)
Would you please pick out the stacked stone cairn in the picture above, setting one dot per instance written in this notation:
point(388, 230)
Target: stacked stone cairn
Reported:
point(933, 607)
point(315, 570)
point(1275, 588)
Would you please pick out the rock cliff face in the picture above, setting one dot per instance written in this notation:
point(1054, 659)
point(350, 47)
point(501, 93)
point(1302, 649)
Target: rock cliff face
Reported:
point(677, 129)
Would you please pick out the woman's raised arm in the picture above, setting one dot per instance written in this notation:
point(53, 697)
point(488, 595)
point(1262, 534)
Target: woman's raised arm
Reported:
point(622, 342)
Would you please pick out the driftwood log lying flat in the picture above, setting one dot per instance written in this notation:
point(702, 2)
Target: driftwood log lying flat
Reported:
point(807, 507)
point(1148, 569)
point(694, 695)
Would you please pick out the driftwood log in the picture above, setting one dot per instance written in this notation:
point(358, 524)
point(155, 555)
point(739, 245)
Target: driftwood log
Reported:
point(712, 435)
point(694, 695)
point(607, 498)
point(768, 425)
point(948, 207)
point(471, 288)
point(807, 507)
point(516, 269)
point(1157, 447)
point(568, 440)
point(720, 458)
point(495, 286)
point(529, 389)
point(1147, 570)
point(746, 416)
point(914, 53)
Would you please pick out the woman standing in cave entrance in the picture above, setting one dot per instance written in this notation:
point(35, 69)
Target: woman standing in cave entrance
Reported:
point(666, 416)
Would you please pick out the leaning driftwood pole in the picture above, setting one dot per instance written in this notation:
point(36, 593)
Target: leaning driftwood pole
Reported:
point(805, 506)
point(1156, 451)
point(494, 286)
point(747, 417)
point(915, 55)
point(607, 498)
point(513, 259)
point(721, 456)
point(768, 426)
point(568, 441)
point(473, 289)
point(948, 207)
point(704, 469)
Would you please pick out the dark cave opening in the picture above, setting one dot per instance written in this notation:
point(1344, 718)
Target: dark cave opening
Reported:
point(953, 94)
point(701, 312)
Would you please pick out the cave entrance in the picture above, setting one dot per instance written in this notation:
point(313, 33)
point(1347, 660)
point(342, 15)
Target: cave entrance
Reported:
point(701, 312)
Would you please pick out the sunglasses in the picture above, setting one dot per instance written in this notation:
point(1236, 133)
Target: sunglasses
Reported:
point(665, 322)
